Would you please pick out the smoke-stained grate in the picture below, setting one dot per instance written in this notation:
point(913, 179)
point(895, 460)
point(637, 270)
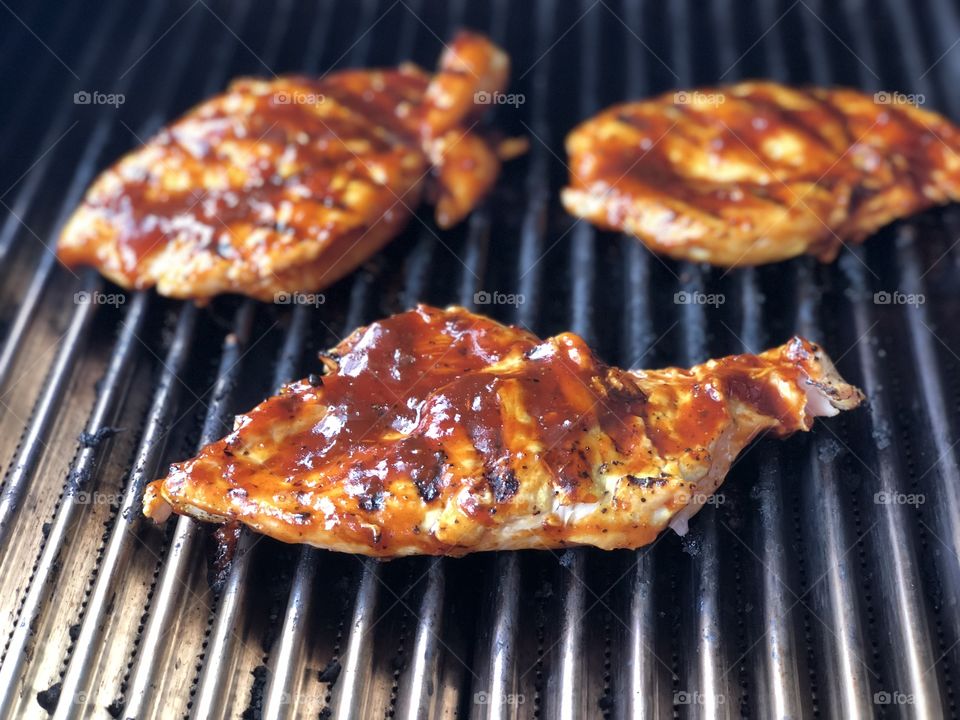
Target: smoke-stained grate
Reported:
point(826, 582)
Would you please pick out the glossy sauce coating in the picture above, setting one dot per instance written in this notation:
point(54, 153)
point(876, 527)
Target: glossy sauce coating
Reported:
point(285, 185)
point(295, 152)
point(759, 172)
point(443, 432)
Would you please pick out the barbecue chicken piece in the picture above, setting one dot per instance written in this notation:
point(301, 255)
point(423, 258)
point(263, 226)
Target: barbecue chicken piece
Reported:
point(285, 185)
point(758, 172)
point(441, 432)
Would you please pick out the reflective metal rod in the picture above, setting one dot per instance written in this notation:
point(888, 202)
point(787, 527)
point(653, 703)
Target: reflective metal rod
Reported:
point(220, 653)
point(174, 578)
point(832, 600)
point(33, 444)
point(58, 130)
point(222, 645)
point(122, 536)
point(27, 307)
point(115, 381)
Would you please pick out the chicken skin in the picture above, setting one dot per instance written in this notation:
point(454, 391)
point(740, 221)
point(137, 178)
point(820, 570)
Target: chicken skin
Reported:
point(285, 185)
point(759, 172)
point(442, 432)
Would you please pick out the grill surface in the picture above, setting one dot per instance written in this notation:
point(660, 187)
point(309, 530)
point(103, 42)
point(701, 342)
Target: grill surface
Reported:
point(802, 593)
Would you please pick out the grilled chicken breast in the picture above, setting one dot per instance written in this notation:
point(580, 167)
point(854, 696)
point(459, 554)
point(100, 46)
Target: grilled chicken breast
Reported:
point(285, 185)
point(759, 172)
point(442, 432)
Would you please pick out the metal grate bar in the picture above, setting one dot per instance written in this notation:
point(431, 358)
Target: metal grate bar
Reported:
point(495, 663)
point(642, 686)
point(219, 656)
point(777, 676)
point(350, 701)
point(115, 382)
point(567, 686)
point(122, 538)
point(945, 511)
point(706, 673)
point(174, 581)
point(32, 444)
point(286, 670)
point(929, 372)
point(26, 108)
point(27, 309)
point(357, 678)
point(221, 649)
point(419, 695)
point(283, 678)
point(177, 563)
point(33, 448)
point(946, 29)
point(904, 608)
point(828, 543)
point(496, 657)
point(835, 608)
point(534, 228)
point(877, 585)
point(59, 125)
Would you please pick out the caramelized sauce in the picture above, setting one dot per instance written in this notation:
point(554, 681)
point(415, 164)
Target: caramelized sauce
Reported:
point(283, 126)
point(434, 410)
point(758, 172)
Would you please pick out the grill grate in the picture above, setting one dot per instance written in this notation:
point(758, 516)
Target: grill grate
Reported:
point(799, 595)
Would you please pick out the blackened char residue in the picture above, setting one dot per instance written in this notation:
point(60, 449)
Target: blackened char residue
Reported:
point(647, 481)
point(429, 479)
point(504, 485)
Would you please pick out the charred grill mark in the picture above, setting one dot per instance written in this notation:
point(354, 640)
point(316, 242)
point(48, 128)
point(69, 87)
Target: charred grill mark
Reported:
point(325, 468)
point(504, 485)
point(371, 497)
point(647, 482)
point(429, 481)
point(371, 501)
point(776, 140)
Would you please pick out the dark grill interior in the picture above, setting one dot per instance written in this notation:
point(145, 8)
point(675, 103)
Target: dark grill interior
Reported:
point(801, 594)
